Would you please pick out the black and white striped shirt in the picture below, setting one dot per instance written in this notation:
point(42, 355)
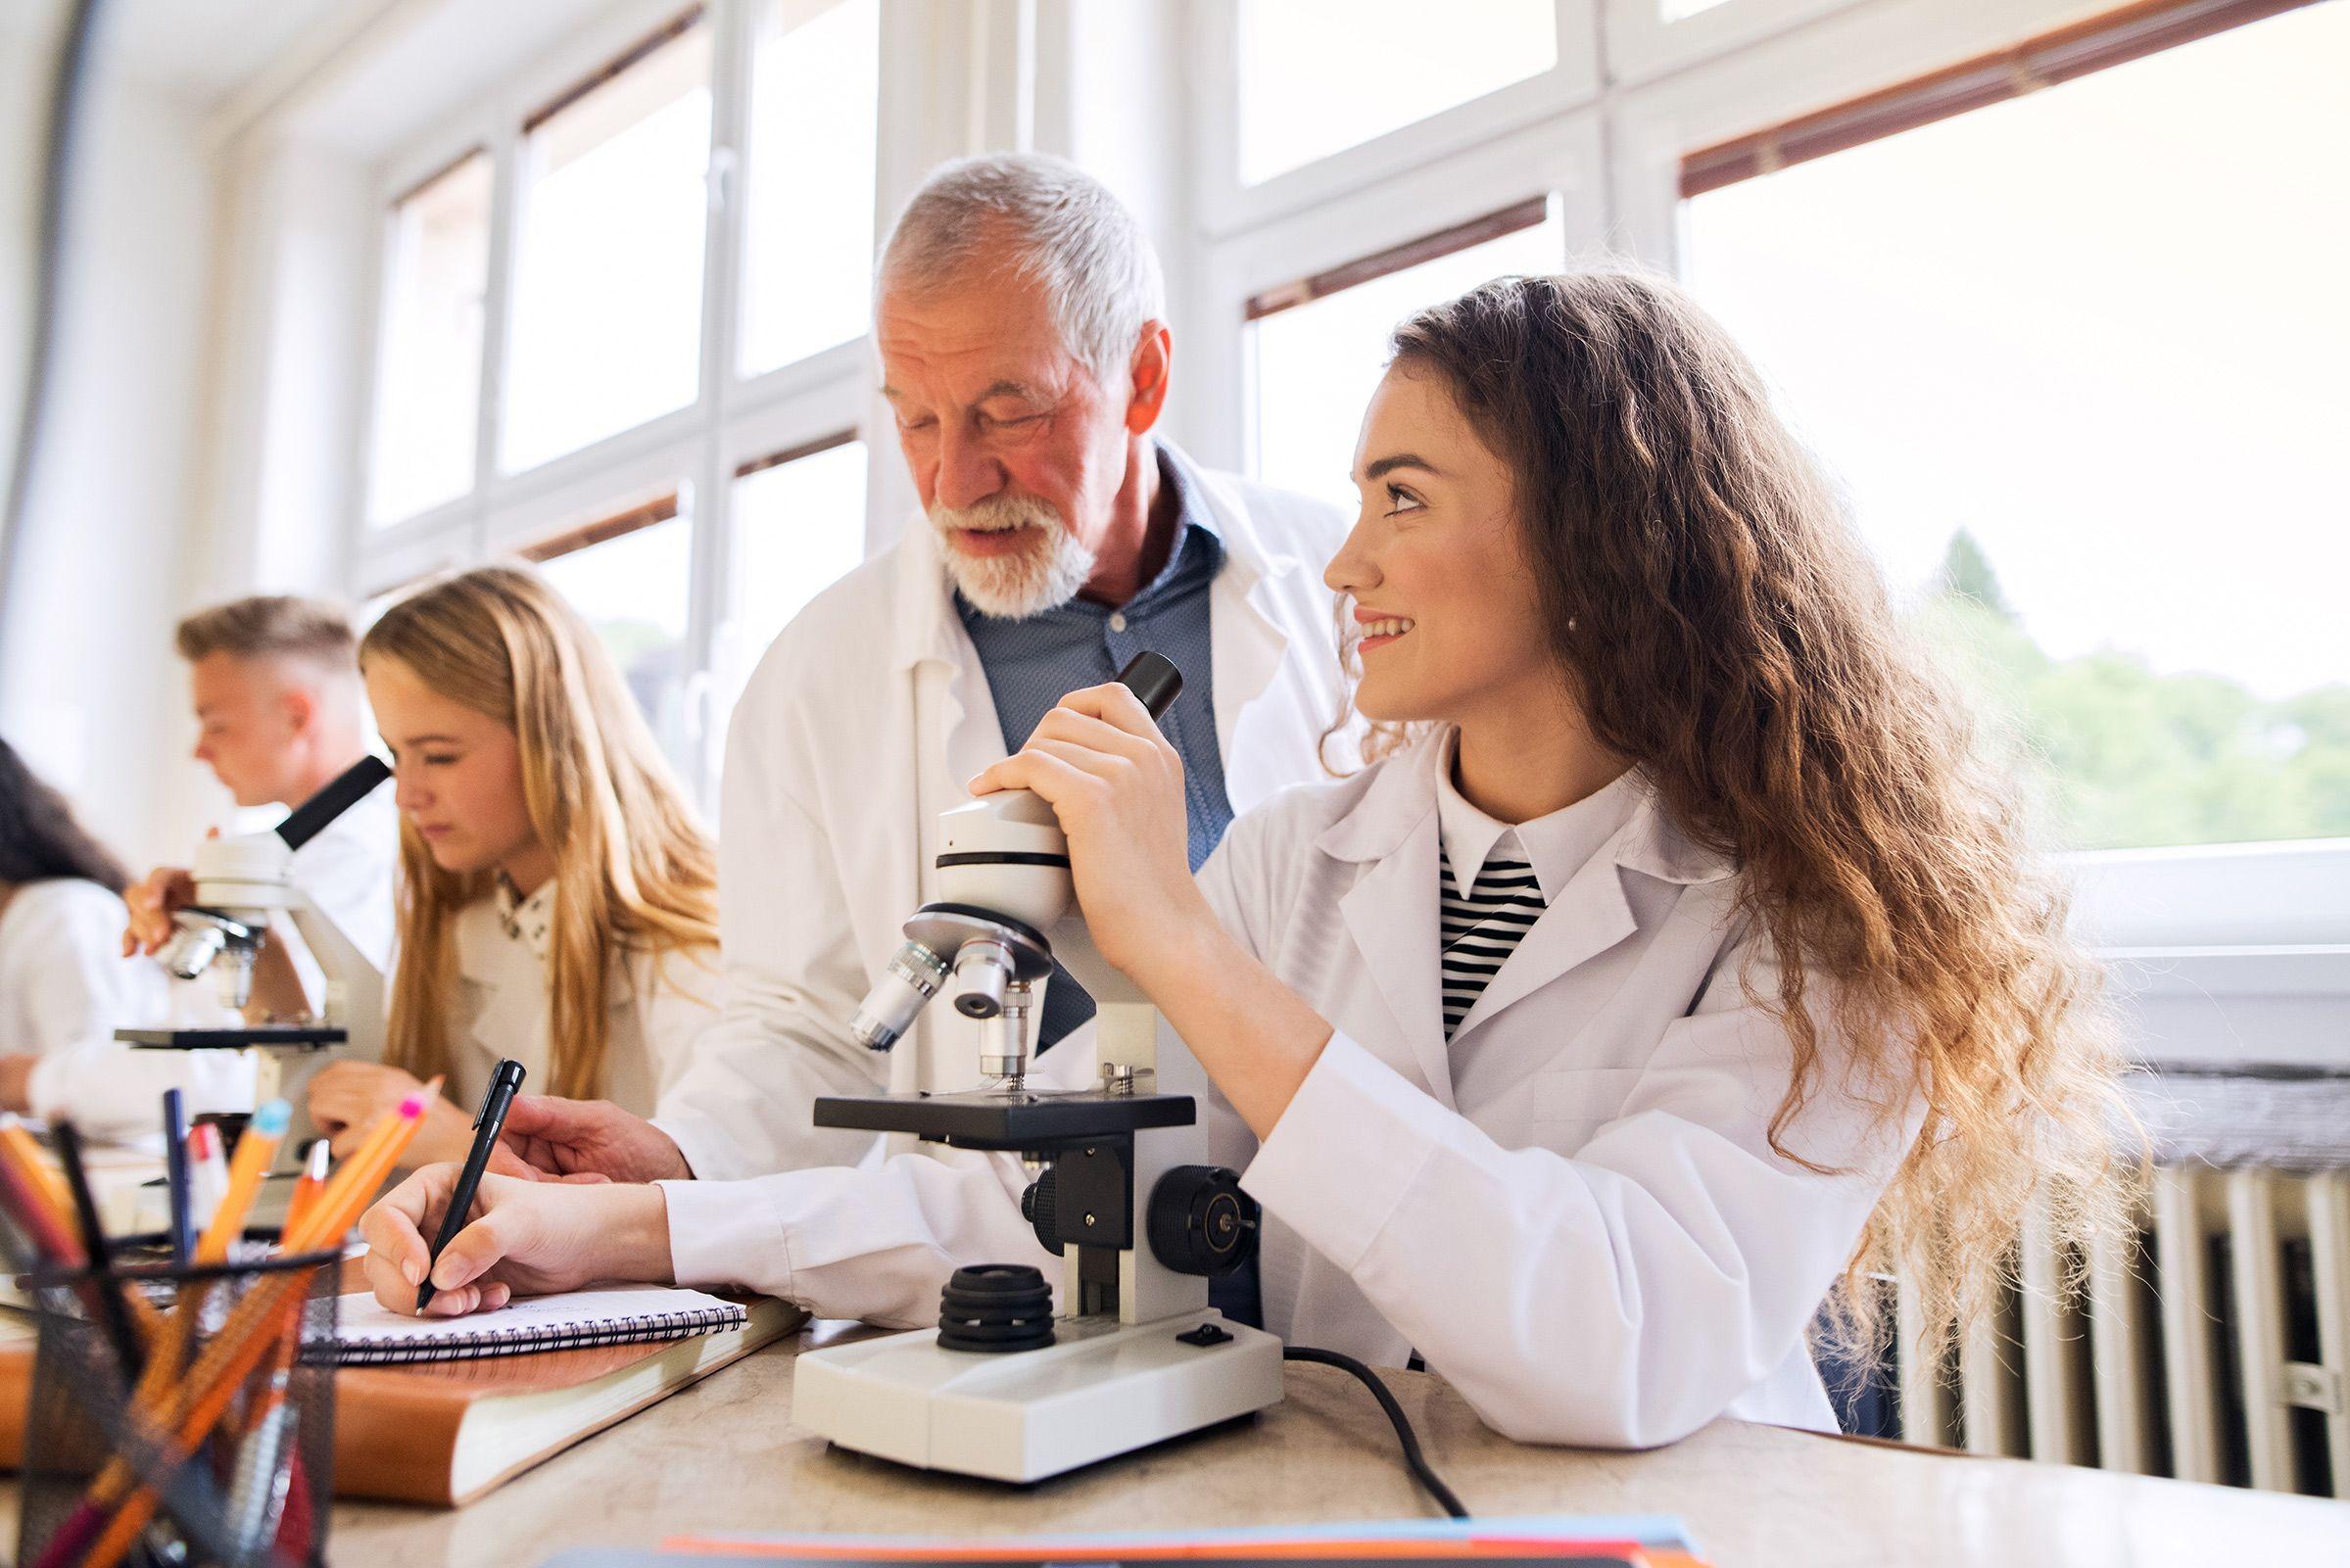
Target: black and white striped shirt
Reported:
point(1478, 927)
point(1512, 872)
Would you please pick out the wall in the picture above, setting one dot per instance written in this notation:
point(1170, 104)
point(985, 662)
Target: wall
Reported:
point(87, 634)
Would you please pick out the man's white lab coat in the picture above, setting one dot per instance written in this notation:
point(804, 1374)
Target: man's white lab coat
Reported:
point(868, 717)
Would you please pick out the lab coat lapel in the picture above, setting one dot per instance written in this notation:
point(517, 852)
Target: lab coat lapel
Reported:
point(1591, 916)
point(1592, 913)
point(955, 735)
point(1257, 740)
point(955, 731)
point(1391, 911)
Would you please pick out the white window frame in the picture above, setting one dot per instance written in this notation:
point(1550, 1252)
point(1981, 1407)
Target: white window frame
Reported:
point(1227, 207)
point(2259, 933)
point(1643, 46)
point(694, 449)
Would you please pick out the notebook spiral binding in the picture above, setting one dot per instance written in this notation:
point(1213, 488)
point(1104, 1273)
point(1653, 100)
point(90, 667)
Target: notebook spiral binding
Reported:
point(635, 1330)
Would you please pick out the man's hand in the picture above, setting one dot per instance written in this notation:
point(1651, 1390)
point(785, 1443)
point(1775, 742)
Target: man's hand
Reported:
point(590, 1138)
point(525, 1239)
point(151, 901)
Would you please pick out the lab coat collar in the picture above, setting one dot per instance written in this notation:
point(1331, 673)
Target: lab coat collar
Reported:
point(1404, 792)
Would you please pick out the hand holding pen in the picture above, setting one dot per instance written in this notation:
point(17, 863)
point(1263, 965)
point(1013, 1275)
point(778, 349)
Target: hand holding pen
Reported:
point(504, 1082)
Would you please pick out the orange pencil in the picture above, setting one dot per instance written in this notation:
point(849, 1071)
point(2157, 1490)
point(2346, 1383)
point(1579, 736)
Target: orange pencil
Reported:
point(305, 1190)
point(29, 1158)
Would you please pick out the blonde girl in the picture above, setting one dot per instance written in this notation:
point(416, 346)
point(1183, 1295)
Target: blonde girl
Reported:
point(557, 897)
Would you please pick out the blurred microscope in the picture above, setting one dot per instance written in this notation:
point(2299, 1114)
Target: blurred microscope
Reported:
point(1003, 1387)
point(244, 886)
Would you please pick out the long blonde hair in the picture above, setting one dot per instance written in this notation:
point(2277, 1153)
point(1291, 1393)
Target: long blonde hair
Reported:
point(634, 869)
point(1722, 627)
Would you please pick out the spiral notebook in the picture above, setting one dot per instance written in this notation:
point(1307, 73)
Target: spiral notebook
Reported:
point(370, 1334)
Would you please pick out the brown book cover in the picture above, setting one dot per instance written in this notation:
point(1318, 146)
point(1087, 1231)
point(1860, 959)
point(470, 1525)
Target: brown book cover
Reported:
point(446, 1432)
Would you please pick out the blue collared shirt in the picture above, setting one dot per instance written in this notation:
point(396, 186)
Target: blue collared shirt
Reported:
point(1033, 662)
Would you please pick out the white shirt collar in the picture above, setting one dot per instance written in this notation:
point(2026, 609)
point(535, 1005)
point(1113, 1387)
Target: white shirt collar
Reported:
point(530, 921)
point(1557, 844)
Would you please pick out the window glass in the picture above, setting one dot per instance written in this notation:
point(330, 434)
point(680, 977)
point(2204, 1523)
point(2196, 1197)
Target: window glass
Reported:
point(1318, 364)
point(2077, 359)
point(428, 376)
point(634, 591)
point(1317, 77)
point(808, 235)
point(608, 273)
point(798, 528)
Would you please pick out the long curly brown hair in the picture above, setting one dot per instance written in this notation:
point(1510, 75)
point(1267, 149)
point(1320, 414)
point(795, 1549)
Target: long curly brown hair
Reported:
point(1724, 629)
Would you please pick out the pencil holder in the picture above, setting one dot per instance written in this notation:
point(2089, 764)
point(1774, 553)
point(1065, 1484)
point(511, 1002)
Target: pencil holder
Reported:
point(230, 1443)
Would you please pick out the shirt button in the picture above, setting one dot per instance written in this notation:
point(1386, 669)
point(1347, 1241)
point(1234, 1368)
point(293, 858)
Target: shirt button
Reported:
point(1118, 620)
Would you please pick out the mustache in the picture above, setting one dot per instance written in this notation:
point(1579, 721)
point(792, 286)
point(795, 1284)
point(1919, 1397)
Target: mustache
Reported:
point(998, 514)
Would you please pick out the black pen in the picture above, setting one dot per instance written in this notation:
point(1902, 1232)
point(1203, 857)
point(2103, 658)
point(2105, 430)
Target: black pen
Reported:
point(488, 1122)
point(175, 1176)
point(113, 1315)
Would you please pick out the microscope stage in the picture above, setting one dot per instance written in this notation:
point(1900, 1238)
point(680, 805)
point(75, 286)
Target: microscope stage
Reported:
point(990, 1121)
point(302, 1036)
point(1103, 1389)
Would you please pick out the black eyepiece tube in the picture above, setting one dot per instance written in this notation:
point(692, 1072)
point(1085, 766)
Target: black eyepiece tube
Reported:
point(1154, 679)
point(344, 791)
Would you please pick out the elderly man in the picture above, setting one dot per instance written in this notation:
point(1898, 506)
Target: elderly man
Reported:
point(1020, 317)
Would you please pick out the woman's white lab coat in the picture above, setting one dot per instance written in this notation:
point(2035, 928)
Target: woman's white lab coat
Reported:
point(1590, 1237)
point(501, 1008)
point(66, 987)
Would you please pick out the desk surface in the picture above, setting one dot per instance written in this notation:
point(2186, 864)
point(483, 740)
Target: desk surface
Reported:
point(723, 1456)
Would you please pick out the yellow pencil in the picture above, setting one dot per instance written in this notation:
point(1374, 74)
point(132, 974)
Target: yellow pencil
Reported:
point(255, 1149)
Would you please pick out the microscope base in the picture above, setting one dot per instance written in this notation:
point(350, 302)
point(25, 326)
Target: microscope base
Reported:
point(1102, 1389)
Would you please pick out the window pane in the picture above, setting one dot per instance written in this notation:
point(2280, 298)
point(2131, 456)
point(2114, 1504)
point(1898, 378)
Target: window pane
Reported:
point(798, 528)
point(1317, 77)
point(634, 591)
point(608, 274)
point(815, 98)
point(428, 381)
point(1318, 364)
point(2077, 359)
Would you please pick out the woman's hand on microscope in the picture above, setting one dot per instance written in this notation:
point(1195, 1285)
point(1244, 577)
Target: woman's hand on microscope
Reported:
point(1118, 787)
point(347, 1099)
point(525, 1238)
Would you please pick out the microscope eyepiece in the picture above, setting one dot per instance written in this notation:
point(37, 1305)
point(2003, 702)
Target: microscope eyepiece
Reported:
point(1154, 679)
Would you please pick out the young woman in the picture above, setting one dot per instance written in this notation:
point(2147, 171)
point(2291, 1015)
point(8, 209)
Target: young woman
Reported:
point(1673, 970)
point(558, 898)
point(65, 985)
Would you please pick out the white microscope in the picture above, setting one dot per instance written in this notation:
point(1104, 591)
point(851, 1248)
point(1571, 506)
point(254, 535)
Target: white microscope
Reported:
point(242, 886)
point(1002, 1387)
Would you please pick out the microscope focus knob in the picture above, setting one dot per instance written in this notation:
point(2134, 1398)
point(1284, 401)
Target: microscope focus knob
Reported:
point(1200, 1221)
point(1039, 1207)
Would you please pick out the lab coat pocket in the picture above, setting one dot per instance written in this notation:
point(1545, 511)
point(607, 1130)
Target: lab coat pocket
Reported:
point(1565, 1106)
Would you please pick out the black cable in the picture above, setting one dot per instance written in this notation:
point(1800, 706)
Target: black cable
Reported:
point(65, 95)
point(1445, 1498)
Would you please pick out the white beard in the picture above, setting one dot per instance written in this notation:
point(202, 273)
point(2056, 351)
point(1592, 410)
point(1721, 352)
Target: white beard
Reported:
point(1011, 588)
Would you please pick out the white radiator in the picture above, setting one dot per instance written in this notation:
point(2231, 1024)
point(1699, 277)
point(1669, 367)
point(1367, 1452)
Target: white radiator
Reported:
point(2215, 1348)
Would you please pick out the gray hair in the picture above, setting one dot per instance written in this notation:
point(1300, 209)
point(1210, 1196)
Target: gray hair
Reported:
point(1068, 235)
